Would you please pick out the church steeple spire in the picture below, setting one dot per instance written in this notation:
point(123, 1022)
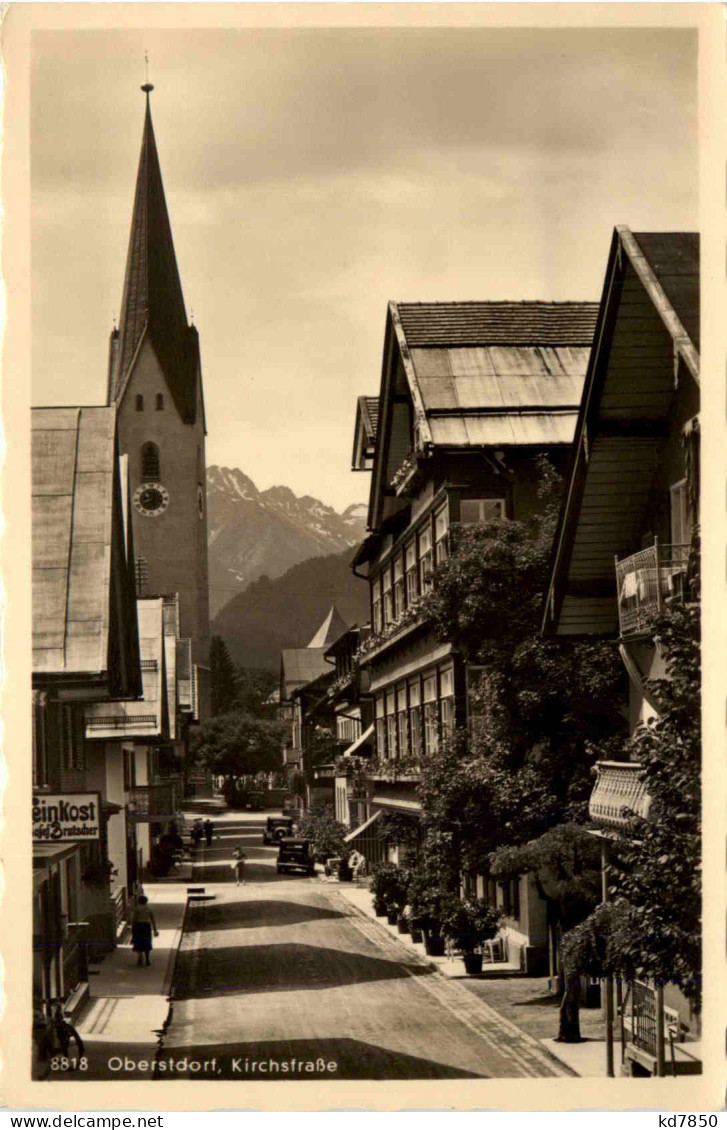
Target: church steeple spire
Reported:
point(153, 303)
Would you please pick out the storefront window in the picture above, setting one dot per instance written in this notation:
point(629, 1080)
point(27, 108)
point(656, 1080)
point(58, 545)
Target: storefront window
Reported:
point(431, 738)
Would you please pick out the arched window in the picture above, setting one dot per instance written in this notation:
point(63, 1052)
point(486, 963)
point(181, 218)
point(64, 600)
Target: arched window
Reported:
point(160, 401)
point(150, 470)
point(139, 402)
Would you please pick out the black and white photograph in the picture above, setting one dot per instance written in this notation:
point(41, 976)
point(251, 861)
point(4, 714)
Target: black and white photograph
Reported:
point(363, 449)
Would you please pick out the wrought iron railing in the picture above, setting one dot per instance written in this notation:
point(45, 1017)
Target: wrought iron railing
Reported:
point(618, 793)
point(646, 581)
point(643, 1017)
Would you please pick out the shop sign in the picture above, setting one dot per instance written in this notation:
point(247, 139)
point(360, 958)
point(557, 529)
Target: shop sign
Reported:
point(66, 817)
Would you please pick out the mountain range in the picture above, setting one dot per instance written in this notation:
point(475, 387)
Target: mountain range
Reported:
point(274, 614)
point(254, 534)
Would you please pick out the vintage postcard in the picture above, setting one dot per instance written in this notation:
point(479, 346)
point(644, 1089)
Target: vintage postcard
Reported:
point(363, 404)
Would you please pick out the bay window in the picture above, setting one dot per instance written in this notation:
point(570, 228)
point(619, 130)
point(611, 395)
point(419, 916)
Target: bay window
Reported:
point(473, 510)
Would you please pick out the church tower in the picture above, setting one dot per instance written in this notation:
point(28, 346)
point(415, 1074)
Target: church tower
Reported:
point(155, 379)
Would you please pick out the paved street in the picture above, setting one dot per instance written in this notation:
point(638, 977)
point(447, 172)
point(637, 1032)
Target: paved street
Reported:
point(284, 970)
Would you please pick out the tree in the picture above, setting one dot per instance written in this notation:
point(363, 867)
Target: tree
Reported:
point(652, 926)
point(565, 865)
point(525, 764)
point(326, 834)
point(223, 677)
point(237, 744)
point(255, 686)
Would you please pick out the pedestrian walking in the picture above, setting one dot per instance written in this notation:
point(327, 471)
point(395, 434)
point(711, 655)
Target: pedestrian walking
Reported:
point(196, 833)
point(208, 830)
point(142, 924)
point(238, 866)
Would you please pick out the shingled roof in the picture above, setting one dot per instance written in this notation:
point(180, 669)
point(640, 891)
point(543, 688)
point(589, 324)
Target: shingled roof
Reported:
point(84, 615)
point(153, 303)
point(496, 323)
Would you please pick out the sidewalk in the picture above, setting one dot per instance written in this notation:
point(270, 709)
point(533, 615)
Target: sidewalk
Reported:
point(128, 1002)
point(525, 1001)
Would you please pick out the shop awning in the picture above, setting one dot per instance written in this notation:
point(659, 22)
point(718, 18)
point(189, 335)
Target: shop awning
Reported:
point(396, 804)
point(362, 828)
point(359, 741)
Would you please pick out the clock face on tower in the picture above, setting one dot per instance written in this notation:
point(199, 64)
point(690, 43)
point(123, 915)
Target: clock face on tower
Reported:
point(151, 499)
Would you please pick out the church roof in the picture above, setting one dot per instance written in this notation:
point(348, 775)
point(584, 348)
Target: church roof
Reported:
point(332, 628)
point(153, 303)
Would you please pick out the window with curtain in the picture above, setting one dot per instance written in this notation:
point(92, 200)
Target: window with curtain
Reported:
point(429, 694)
point(376, 617)
point(388, 596)
point(380, 727)
point(441, 544)
point(425, 560)
point(446, 693)
point(415, 717)
point(401, 722)
point(391, 724)
point(399, 602)
point(410, 565)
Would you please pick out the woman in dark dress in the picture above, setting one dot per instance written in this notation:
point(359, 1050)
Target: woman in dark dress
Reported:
point(142, 925)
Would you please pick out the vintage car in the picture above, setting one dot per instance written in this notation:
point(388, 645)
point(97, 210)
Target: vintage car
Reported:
point(276, 827)
point(295, 855)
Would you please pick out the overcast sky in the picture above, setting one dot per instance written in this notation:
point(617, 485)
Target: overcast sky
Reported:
point(313, 175)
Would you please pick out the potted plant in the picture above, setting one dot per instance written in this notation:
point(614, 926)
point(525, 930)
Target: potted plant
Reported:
point(469, 922)
point(392, 913)
point(383, 885)
point(425, 902)
point(402, 921)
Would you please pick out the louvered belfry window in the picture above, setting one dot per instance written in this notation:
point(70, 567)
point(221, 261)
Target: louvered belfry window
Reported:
point(150, 469)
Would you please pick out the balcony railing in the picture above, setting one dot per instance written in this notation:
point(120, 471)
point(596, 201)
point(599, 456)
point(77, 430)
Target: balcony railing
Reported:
point(148, 803)
point(618, 793)
point(646, 581)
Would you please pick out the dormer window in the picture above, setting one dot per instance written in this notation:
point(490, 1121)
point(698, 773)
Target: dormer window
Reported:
point(160, 402)
point(139, 402)
point(150, 468)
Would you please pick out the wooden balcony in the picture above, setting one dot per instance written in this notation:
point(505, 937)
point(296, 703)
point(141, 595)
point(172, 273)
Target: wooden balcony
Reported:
point(618, 793)
point(646, 582)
